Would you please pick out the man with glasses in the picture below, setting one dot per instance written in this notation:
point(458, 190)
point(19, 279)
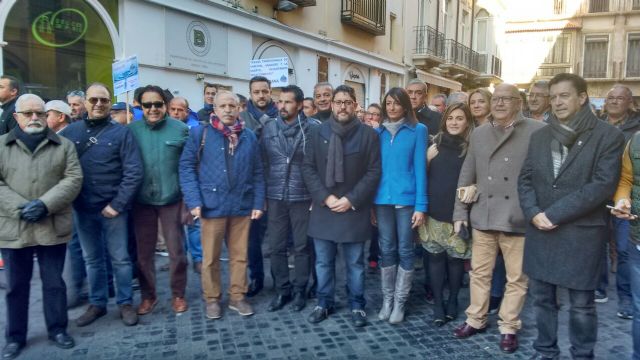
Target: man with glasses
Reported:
point(40, 176)
point(417, 90)
point(539, 104)
point(341, 170)
point(76, 99)
point(496, 154)
point(9, 92)
point(113, 172)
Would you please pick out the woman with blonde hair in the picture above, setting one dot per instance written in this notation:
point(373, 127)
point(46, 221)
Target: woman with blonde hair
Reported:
point(480, 105)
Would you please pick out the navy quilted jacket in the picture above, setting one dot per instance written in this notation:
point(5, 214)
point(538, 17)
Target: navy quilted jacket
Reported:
point(210, 186)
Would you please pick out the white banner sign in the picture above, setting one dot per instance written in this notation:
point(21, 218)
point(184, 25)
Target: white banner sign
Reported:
point(125, 75)
point(275, 69)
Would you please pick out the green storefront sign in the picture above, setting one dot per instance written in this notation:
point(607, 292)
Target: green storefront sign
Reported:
point(61, 28)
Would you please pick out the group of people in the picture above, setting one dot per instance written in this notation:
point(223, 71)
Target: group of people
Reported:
point(480, 179)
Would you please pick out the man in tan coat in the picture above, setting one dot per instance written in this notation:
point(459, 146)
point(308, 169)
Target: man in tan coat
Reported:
point(496, 153)
point(39, 178)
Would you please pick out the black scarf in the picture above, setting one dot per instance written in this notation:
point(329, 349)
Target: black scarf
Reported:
point(335, 157)
point(453, 142)
point(31, 141)
point(567, 134)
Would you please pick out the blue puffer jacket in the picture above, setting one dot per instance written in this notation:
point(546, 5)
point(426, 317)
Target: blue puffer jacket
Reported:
point(218, 189)
point(112, 167)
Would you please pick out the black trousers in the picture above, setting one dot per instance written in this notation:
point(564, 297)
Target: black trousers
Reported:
point(583, 320)
point(281, 215)
point(19, 268)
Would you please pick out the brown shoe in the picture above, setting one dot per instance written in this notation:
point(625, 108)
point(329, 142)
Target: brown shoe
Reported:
point(179, 304)
point(146, 306)
point(92, 314)
point(465, 330)
point(241, 306)
point(128, 315)
point(213, 310)
point(508, 343)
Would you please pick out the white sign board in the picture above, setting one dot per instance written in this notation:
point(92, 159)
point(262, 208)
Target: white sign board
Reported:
point(125, 75)
point(275, 69)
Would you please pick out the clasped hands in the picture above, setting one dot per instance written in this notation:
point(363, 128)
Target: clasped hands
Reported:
point(338, 205)
point(33, 211)
point(542, 222)
point(197, 212)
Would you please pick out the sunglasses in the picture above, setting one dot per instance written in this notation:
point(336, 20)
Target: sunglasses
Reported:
point(30, 114)
point(156, 104)
point(94, 100)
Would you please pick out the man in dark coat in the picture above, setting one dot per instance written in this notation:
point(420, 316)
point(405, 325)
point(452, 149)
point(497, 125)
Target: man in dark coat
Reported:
point(571, 170)
point(9, 92)
point(204, 114)
point(341, 170)
point(417, 91)
point(322, 95)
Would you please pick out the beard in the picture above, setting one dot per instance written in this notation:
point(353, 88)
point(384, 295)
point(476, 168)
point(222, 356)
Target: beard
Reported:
point(34, 129)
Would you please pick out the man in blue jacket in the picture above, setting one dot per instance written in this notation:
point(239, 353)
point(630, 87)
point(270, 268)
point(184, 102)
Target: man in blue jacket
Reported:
point(223, 184)
point(112, 169)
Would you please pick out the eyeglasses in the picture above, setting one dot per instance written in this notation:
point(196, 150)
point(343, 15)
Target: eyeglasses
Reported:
point(505, 99)
point(156, 104)
point(346, 103)
point(30, 114)
point(618, 99)
point(94, 100)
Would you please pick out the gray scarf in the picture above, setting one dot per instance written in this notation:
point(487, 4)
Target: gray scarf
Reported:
point(394, 127)
point(335, 158)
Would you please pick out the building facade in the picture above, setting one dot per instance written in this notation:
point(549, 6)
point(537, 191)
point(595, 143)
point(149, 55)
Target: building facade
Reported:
point(597, 39)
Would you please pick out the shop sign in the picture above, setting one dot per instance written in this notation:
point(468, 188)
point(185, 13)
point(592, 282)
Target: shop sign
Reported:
point(61, 28)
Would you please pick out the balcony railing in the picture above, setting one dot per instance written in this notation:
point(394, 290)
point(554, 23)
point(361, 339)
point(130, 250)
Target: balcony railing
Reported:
point(368, 15)
point(458, 54)
point(596, 6)
point(429, 41)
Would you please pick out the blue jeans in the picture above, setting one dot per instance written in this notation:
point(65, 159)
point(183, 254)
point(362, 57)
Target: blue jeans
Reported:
point(634, 276)
point(621, 235)
point(193, 241)
point(326, 271)
point(75, 271)
point(100, 237)
point(395, 236)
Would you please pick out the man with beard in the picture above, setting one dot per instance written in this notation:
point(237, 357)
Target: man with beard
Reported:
point(322, 95)
point(40, 176)
point(341, 170)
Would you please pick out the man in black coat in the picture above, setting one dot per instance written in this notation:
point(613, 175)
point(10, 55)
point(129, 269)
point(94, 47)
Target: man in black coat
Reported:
point(417, 91)
point(571, 171)
point(341, 170)
point(204, 114)
point(9, 92)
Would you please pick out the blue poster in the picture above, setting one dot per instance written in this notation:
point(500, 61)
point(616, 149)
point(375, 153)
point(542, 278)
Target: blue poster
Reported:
point(125, 75)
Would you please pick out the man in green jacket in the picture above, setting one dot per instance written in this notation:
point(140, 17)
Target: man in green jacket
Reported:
point(40, 176)
point(161, 139)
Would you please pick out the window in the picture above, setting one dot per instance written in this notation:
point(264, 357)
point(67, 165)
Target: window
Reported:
point(392, 23)
point(383, 86)
point(596, 51)
point(558, 7)
point(464, 32)
point(560, 51)
point(323, 69)
point(596, 6)
point(633, 56)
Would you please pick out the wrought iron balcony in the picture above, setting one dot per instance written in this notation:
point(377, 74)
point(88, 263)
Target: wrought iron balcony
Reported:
point(368, 15)
point(596, 6)
point(429, 41)
point(458, 54)
point(303, 3)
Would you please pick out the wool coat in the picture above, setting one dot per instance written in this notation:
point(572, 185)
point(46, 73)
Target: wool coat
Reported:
point(362, 172)
point(493, 163)
point(52, 173)
point(571, 255)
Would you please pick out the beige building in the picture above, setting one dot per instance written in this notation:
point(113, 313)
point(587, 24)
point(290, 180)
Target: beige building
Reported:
point(597, 39)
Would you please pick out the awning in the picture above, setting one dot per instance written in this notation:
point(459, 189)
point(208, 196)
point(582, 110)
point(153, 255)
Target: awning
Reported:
point(434, 79)
point(551, 25)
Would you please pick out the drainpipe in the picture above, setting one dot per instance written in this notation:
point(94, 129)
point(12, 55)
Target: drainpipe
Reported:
point(457, 19)
point(438, 15)
point(473, 16)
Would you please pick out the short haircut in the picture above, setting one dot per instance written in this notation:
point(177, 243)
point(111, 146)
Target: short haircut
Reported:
point(152, 88)
point(322, 84)
point(626, 89)
point(168, 95)
point(576, 81)
point(14, 83)
point(457, 97)
point(180, 98)
point(309, 98)
point(99, 84)
point(242, 99)
point(345, 89)
point(419, 82)
point(76, 93)
point(256, 79)
point(226, 92)
point(296, 91)
point(137, 92)
point(28, 97)
point(440, 96)
point(401, 96)
point(210, 85)
point(542, 84)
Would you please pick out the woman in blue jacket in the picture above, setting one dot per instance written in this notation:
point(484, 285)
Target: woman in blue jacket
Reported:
point(401, 201)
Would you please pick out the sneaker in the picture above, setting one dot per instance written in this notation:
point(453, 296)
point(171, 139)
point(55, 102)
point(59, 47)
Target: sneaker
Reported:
point(358, 318)
point(241, 306)
point(624, 314)
point(601, 297)
point(213, 310)
point(128, 315)
point(92, 314)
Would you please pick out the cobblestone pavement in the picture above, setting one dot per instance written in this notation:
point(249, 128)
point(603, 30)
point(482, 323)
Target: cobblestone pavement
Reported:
point(287, 334)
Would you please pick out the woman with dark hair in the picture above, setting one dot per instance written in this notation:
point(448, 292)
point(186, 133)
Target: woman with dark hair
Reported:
point(446, 249)
point(480, 105)
point(159, 200)
point(401, 201)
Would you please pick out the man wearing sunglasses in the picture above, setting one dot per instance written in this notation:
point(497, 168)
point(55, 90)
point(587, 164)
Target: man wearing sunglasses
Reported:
point(113, 171)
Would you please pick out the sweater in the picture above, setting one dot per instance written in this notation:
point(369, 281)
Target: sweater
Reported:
point(443, 174)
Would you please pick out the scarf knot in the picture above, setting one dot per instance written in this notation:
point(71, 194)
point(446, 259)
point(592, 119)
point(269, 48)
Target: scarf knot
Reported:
point(229, 132)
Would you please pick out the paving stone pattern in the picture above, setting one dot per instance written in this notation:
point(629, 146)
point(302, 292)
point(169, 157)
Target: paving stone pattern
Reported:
point(287, 335)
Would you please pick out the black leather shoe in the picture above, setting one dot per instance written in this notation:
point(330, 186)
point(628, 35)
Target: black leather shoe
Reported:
point(11, 350)
point(278, 302)
point(254, 288)
point(298, 301)
point(62, 340)
point(358, 318)
point(318, 314)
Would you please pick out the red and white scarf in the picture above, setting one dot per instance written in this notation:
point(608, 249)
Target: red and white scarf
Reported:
point(230, 132)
